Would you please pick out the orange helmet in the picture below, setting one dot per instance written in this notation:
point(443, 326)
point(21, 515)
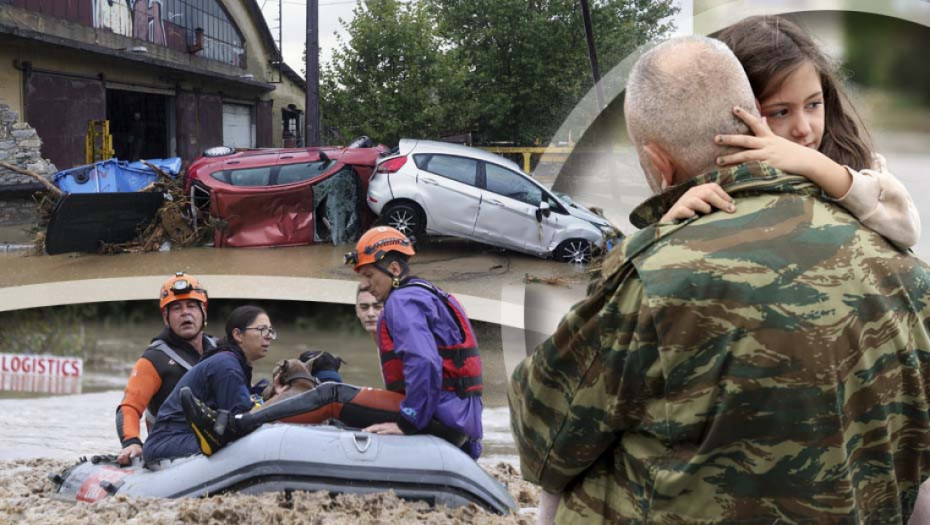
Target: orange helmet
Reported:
point(181, 287)
point(376, 243)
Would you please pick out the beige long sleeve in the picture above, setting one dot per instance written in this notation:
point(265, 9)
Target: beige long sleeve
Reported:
point(883, 204)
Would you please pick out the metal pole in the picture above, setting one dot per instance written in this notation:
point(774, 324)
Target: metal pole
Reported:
point(313, 74)
point(592, 53)
point(281, 41)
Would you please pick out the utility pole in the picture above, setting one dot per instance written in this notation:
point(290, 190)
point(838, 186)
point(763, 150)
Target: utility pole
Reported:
point(592, 53)
point(313, 74)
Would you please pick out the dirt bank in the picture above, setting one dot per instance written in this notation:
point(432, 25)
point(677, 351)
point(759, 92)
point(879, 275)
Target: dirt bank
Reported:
point(25, 497)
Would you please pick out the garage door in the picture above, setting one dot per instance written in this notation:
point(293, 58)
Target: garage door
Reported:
point(62, 124)
point(238, 129)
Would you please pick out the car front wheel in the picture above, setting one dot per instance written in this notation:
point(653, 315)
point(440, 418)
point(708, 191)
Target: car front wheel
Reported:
point(573, 250)
point(406, 218)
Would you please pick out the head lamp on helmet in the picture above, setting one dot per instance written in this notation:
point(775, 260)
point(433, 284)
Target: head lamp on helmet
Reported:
point(376, 243)
point(182, 287)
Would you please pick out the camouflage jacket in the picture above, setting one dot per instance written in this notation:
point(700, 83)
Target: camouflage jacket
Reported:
point(750, 367)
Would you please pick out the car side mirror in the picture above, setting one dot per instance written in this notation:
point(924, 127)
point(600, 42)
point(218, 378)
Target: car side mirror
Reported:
point(543, 210)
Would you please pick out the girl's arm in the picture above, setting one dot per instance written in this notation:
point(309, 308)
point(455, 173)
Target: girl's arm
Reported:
point(882, 203)
point(874, 196)
point(699, 199)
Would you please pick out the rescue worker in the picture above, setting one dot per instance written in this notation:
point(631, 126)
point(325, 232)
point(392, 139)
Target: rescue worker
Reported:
point(760, 366)
point(429, 356)
point(183, 304)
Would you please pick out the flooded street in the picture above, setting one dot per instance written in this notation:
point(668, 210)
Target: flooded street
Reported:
point(41, 434)
point(303, 273)
point(68, 426)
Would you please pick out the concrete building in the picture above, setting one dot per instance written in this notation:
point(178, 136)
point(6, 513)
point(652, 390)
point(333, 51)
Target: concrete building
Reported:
point(173, 77)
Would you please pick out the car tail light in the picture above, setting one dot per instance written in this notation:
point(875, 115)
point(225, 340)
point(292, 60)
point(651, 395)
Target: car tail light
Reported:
point(392, 165)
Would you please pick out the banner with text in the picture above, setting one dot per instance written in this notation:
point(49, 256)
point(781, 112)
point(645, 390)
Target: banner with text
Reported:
point(41, 373)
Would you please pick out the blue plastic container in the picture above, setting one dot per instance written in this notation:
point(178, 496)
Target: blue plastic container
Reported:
point(113, 176)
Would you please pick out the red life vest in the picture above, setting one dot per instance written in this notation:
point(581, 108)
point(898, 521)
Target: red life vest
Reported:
point(461, 363)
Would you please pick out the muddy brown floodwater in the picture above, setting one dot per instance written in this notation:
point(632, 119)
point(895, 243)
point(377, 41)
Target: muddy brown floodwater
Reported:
point(25, 497)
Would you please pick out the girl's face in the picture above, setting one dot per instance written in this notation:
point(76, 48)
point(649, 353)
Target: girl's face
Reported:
point(256, 338)
point(795, 111)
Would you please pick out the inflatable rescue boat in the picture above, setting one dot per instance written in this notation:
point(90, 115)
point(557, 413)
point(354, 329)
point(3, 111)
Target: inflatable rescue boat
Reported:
point(286, 457)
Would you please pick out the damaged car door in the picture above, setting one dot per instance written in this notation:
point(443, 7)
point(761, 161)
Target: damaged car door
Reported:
point(508, 211)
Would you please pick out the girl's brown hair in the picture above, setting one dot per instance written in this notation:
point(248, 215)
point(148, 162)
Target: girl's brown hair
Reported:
point(770, 48)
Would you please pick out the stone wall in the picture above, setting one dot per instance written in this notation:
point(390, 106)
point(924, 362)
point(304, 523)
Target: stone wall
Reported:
point(20, 146)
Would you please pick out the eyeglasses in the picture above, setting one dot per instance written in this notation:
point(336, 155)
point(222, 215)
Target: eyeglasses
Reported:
point(265, 331)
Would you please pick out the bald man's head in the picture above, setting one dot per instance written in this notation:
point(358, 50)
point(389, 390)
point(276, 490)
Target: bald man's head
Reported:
point(680, 94)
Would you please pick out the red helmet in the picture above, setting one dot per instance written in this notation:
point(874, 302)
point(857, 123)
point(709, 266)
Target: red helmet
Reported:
point(376, 243)
point(181, 287)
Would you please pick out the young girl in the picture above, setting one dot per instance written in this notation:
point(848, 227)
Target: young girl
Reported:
point(808, 128)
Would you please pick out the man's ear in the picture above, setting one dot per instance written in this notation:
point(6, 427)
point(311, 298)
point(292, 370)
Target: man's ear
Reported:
point(395, 269)
point(661, 162)
point(164, 314)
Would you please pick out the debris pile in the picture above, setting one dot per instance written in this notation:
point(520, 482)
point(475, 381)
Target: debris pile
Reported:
point(173, 224)
point(171, 227)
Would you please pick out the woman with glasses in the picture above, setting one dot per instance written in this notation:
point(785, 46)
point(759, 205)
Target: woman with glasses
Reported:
point(221, 380)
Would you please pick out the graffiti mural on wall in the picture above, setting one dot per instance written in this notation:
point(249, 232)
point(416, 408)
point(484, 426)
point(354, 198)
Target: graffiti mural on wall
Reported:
point(150, 20)
point(114, 15)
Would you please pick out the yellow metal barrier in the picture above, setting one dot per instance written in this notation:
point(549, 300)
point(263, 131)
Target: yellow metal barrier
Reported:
point(98, 144)
point(548, 154)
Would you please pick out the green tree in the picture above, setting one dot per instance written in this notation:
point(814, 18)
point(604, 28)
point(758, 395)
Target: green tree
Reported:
point(392, 79)
point(528, 59)
point(509, 70)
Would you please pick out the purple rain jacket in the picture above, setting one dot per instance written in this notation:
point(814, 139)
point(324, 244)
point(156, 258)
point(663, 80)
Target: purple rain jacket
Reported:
point(418, 322)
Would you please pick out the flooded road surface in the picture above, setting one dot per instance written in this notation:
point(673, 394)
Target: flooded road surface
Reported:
point(454, 264)
point(69, 426)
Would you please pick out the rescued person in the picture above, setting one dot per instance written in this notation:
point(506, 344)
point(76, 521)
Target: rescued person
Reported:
point(183, 305)
point(368, 310)
point(761, 365)
point(222, 379)
point(429, 362)
point(808, 127)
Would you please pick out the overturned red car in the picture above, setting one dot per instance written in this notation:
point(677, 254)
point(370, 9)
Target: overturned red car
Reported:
point(285, 197)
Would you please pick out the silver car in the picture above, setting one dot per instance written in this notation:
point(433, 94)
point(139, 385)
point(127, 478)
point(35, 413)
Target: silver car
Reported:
point(448, 189)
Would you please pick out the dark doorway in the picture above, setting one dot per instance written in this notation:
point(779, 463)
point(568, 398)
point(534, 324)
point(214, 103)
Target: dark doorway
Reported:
point(290, 126)
point(139, 124)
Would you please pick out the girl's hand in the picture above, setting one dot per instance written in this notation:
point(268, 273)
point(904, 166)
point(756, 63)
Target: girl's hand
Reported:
point(766, 146)
point(785, 155)
point(700, 199)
